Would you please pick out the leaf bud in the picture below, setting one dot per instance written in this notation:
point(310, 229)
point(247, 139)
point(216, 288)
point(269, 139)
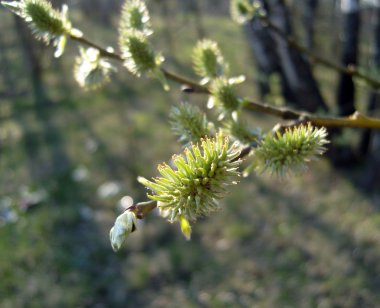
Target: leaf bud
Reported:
point(124, 225)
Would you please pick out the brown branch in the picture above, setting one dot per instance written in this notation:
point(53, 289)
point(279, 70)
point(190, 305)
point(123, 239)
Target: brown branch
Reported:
point(103, 52)
point(356, 120)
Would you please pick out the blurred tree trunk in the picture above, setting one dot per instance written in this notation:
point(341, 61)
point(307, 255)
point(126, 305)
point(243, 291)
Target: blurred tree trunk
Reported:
point(198, 20)
point(374, 97)
point(344, 155)
point(346, 88)
point(334, 29)
point(261, 44)
point(5, 71)
point(370, 143)
point(193, 7)
point(59, 160)
point(309, 11)
point(295, 67)
point(167, 31)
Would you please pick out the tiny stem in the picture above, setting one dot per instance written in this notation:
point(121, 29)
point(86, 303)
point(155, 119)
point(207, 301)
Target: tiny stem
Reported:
point(141, 209)
point(103, 52)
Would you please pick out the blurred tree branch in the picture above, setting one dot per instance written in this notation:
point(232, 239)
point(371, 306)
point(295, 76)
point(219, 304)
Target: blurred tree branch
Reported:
point(350, 70)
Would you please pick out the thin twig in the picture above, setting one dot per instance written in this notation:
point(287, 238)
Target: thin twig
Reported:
point(103, 52)
point(350, 70)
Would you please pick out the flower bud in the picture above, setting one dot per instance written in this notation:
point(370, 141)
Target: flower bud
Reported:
point(223, 96)
point(138, 56)
point(208, 60)
point(135, 16)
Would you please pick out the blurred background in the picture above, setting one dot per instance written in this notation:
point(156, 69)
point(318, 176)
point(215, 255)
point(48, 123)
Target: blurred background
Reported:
point(69, 160)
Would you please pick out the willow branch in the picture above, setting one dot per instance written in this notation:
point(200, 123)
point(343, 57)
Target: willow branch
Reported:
point(356, 120)
point(348, 70)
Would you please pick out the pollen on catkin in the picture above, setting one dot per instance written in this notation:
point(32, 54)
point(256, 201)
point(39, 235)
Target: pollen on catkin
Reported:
point(199, 179)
